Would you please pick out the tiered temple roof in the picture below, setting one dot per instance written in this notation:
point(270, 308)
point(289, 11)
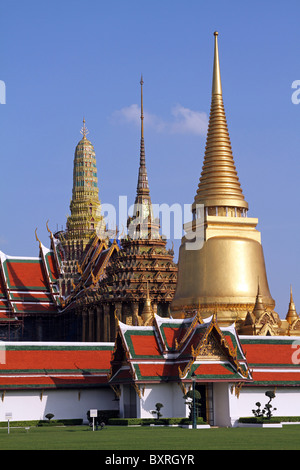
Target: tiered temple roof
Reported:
point(53, 365)
point(169, 350)
point(176, 349)
point(173, 350)
point(28, 286)
point(92, 271)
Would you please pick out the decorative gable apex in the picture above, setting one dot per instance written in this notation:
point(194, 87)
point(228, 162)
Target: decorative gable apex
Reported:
point(208, 343)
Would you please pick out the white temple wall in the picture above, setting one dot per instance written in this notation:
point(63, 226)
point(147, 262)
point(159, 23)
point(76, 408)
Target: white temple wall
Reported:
point(70, 404)
point(221, 410)
point(287, 401)
point(170, 395)
point(63, 404)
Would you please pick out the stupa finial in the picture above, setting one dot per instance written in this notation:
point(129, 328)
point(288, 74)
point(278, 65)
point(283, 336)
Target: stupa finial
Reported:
point(216, 85)
point(84, 130)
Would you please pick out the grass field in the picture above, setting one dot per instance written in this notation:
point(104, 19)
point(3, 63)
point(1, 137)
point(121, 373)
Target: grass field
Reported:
point(146, 438)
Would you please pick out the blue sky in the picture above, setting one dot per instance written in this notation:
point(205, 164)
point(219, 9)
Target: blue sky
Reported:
point(62, 60)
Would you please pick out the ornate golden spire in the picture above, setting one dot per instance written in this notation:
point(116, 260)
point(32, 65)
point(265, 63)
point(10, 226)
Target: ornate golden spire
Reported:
point(291, 316)
point(219, 183)
point(142, 224)
point(85, 206)
point(142, 186)
point(221, 256)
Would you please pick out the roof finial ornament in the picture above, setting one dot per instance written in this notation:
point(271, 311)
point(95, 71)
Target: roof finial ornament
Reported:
point(51, 234)
point(84, 130)
point(37, 238)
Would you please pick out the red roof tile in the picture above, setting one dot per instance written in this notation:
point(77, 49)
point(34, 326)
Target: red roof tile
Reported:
point(25, 274)
point(144, 345)
point(28, 358)
point(268, 352)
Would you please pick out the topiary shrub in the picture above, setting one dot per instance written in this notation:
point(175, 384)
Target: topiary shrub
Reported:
point(49, 416)
point(266, 412)
point(158, 407)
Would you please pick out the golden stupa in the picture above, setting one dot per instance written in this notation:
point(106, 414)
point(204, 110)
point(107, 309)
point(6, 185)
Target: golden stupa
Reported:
point(221, 260)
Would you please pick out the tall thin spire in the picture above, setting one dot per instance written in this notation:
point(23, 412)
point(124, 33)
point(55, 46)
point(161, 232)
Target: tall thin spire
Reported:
point(142, 223)
point(216, 86)
point(142, 186)
point(219, 183)
point(142, 109)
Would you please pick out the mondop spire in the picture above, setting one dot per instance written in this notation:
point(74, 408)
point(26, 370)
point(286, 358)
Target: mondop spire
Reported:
point(142, 186)
point(219, 185)
point(142, 224)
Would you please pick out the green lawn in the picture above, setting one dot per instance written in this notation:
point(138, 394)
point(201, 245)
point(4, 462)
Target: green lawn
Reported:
point(149, 438)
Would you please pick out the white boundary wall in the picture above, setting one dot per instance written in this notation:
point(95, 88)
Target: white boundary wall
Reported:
point(73, 404)
point(63, 404)
point(287, 401)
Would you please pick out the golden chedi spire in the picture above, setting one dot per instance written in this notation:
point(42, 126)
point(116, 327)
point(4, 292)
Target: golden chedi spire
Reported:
point(291, 315)
point(221, 256)
point(219, 184)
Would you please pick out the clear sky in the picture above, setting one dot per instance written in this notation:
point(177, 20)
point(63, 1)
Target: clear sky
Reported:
point(62, 60)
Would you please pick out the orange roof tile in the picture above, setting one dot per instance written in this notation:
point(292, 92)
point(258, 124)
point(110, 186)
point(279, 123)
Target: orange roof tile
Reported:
point(25, 274)
point(145, 345)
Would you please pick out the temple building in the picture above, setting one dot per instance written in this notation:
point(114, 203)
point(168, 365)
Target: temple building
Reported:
point(129, 279)
point(143, 276)
point(132, 328)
